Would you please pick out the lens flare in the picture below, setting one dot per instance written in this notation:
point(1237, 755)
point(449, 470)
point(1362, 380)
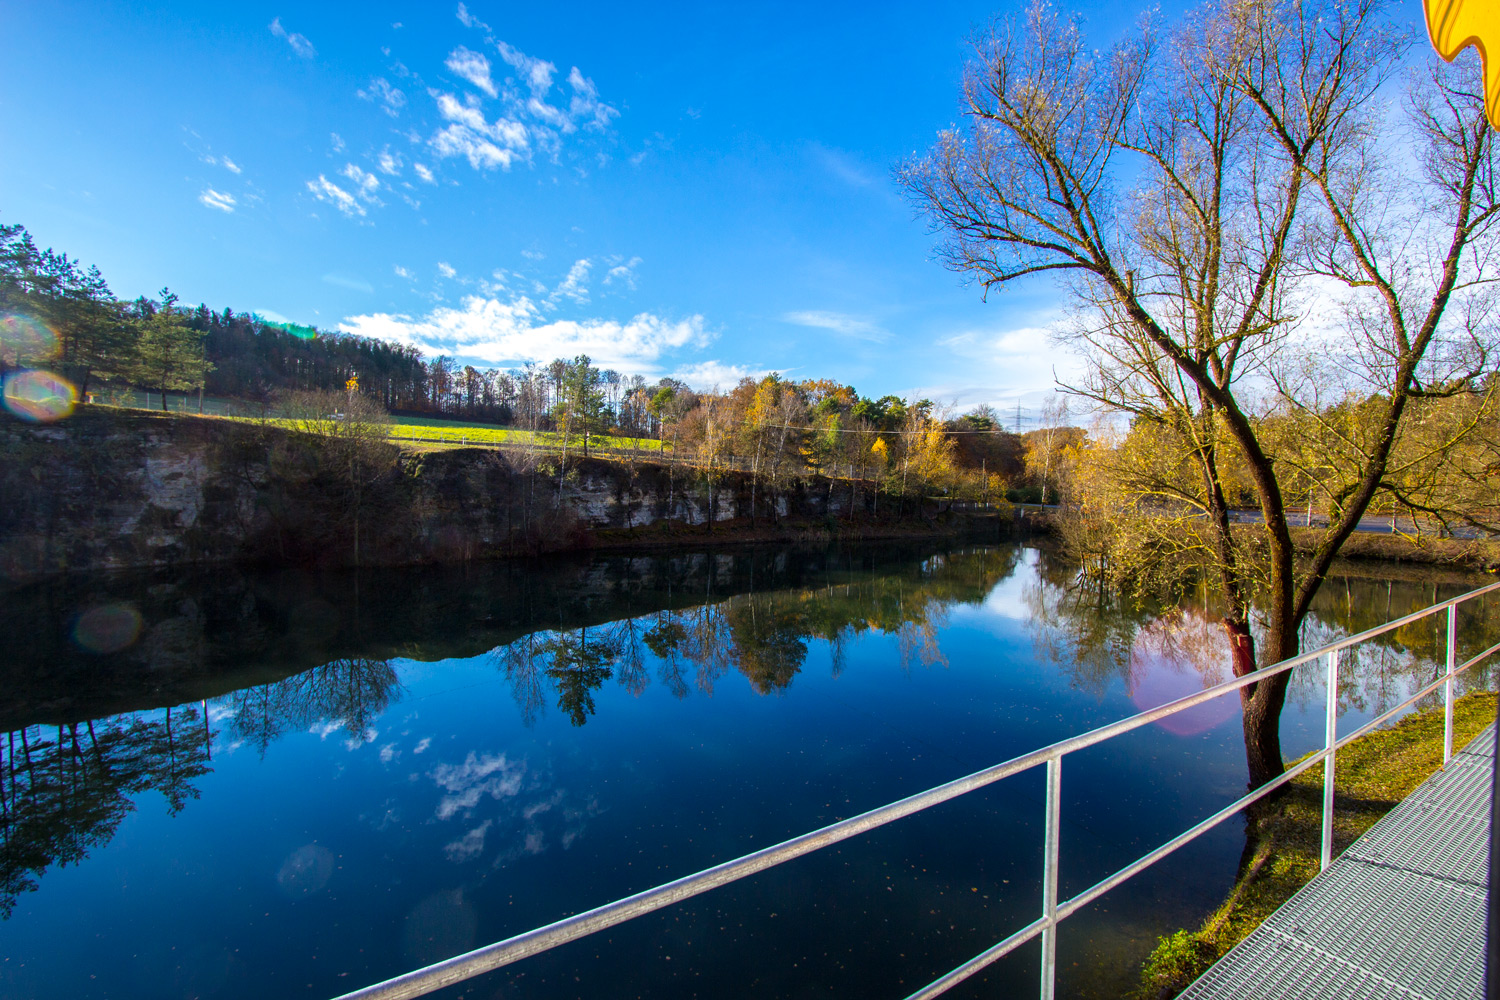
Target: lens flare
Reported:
point(25, 341)
point(39, 396)
point(107, 628)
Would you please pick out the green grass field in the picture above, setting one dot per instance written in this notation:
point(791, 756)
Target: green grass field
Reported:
point(402, 428)
point(454, 432)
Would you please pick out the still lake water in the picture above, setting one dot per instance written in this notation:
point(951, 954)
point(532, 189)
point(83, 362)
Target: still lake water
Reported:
point(231, 784)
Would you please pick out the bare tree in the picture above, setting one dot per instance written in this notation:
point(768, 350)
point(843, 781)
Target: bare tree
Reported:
point(1259, 142)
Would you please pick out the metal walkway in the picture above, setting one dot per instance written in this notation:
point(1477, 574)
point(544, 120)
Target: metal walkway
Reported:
point(1400, 914)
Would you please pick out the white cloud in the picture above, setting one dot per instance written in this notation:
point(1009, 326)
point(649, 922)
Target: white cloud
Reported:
point(483, 144)
point(380, 91)
point(710, 374)
point(573, 286)
point(622, 272)
point(536, 73)
point(446, 269)
point(326, 191)
point(402, 272)
point(533, 255)
point(389, 162)
point(424, 173)
point(469, 20)
point(472, 66)
point(585, 102)
point(299, 43)
point(337, 141)
point(839, 323)
point(222, 161)
point(530, 120)
point(365, 183)
point(512, 332)
point(217, 199)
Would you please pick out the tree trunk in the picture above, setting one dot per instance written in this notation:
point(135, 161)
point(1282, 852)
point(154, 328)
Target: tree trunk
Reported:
point(1261, 705)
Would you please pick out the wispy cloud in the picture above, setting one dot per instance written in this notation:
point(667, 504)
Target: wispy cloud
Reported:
point(468, 20)
point(365, 183)
point(574, 286)
point(402, 272)
point(531, 118)
point(840, 323)
point(514, 331)
point(705, 375)
point(217, 199)
point(484, 144)
point(381, 92)
point(472, 66)
point(447, 270)
point(389, 163)
point(325, 190)
point(222, 161)
point(423, 173)
point(299, 43)
point(622, 272)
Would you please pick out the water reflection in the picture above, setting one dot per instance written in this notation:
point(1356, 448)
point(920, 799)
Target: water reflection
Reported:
point(696, 617)
point(1098, 639)
point(65, 790)
point(460, 813)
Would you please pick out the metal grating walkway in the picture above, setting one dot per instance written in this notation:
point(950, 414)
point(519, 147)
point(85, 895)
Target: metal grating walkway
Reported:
point(1399, 914)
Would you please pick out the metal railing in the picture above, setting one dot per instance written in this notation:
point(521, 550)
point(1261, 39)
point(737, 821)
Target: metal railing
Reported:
point(1053, 911)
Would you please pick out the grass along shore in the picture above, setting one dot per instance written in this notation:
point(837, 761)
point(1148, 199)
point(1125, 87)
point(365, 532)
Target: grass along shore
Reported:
point(1372, 775)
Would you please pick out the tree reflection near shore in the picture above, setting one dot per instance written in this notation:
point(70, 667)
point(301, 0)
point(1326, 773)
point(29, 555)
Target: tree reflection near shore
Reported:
point(65, 789)
point(1098, 639)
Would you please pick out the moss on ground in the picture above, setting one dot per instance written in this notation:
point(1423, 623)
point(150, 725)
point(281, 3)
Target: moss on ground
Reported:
point(1373, 774)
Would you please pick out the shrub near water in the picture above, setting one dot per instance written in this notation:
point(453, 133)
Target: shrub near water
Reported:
point(1372, 775)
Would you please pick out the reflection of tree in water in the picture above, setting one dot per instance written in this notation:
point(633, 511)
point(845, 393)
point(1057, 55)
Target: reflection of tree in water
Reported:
point(1097, 638)
point(351, 692)
point(763, 636)
point(64, 790)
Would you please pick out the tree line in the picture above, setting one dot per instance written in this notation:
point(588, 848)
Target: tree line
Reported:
point(62, 316)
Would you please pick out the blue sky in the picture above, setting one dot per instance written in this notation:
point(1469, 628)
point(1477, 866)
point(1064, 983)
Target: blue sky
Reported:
point(690, 190)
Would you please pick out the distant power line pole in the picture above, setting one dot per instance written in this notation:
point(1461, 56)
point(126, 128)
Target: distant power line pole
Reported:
point(1018, 416)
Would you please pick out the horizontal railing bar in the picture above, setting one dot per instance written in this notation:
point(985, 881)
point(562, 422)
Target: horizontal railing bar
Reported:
point(984, 958)
point(513, 949)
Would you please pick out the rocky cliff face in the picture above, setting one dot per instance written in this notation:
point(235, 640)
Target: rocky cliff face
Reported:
point(112, 490)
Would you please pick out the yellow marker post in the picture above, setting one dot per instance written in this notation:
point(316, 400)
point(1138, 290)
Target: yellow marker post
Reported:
point(1454, 25)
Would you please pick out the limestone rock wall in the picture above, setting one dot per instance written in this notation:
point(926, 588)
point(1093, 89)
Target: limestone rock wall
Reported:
point(113, 490)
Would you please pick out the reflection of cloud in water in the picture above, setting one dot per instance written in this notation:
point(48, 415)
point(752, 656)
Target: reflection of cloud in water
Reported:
point(470, 845)
point(476, 777)
point(1178, 655)
point(306, 870)
point(527, 820)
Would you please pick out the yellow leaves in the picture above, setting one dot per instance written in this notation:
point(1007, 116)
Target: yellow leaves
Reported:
point(1454, 25)
point(880, 450)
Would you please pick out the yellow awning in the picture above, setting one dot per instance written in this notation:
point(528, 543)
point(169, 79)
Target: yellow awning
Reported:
point(1454, 25)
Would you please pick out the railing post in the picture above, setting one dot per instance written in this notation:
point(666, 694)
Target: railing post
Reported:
point(1448, 684)
point(1330, 737)
point(1049, 877)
